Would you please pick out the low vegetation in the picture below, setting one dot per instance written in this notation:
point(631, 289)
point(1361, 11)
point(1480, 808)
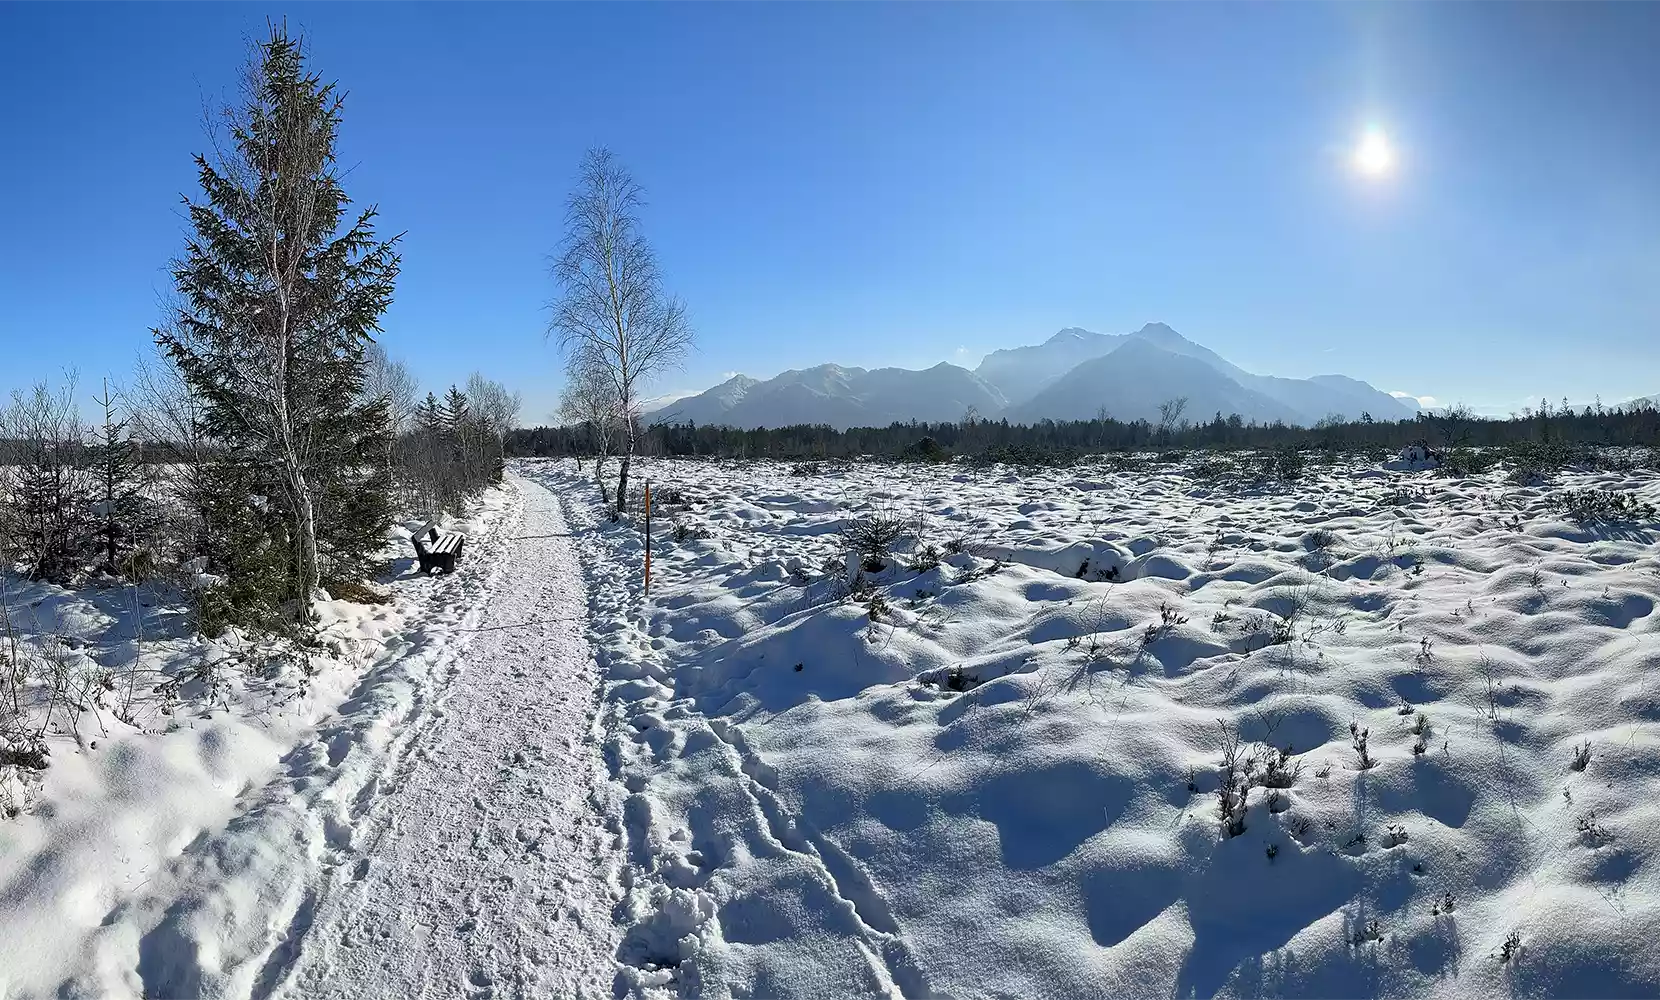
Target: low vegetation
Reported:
point(1589, 505)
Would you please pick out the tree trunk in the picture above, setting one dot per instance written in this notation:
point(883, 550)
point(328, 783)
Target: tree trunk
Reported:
point(311, 573)
point(622, 476)
point(305, 524)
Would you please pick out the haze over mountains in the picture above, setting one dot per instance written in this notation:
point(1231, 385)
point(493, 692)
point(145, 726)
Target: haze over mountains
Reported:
point(1074, 375)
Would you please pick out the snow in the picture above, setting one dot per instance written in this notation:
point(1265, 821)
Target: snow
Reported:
point(984, 764)
point(471, 860)
point(437, 770)
point(984, 790)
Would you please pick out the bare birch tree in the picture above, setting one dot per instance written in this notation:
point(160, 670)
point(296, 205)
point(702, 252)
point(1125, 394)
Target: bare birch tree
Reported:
point(386, 378)
point(613, 315)
point(1170, 415)
point(495, 404)
point(496, 408)
point(589, 399)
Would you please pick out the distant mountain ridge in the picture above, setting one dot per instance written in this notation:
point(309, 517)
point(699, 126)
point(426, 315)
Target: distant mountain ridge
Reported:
point(1024, 374)
point(840, 397)
point(1133, 380)
point(1074, 375)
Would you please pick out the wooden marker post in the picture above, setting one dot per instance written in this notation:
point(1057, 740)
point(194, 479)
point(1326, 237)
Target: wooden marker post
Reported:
point(648, 536)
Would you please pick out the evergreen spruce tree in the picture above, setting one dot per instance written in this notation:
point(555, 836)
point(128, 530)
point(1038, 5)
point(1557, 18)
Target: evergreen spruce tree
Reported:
point(47, 486)
point(278, 306)
point(456, 411)
point(458, 426)
point(120, 506)
point(430, 415)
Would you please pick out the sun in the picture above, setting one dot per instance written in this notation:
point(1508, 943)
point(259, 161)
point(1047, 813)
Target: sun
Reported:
point(1375, 155)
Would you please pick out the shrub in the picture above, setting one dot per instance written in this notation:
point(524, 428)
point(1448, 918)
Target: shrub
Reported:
point(1278, 769)
point(1289, 464)
point(964, 540)
point(1359, 737)
point(1601, 505)
point(1537, 459)
point(926, 449)
point(668, 495)
point(1286, 464)
point(1169, 618)
point(805, 469)
point(1467, 462)
point(1026, 455)
point(872, 536)
point(684, 531)
point(1235, 778)
point(1213, 467)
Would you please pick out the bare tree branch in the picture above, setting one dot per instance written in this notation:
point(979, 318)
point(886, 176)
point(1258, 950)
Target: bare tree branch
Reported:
point(617, 326)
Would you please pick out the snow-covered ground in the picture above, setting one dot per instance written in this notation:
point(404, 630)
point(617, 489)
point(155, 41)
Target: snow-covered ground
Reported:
point(999, 776)
point(414, 818)
point(986, 764)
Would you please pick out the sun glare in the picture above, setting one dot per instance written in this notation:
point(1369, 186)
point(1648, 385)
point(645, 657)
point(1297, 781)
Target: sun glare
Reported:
point(1375, 156)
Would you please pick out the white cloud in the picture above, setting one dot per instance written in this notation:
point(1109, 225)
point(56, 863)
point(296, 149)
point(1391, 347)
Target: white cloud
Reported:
point(664, 399)
point(1421, 400)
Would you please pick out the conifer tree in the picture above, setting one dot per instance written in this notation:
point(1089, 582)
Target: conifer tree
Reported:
point(462, 437)
point(119, 504)
point(45, 482)
point(278, 305)
point(429, 415)
point(456, 411)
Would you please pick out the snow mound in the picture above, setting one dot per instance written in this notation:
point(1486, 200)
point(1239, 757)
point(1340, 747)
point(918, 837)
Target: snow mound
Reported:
point(995, 768)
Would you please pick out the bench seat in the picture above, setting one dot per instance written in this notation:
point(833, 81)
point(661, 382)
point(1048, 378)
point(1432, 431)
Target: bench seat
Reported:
point(437, 550)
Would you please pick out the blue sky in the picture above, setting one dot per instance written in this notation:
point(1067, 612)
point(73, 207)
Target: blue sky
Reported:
point(903, 184)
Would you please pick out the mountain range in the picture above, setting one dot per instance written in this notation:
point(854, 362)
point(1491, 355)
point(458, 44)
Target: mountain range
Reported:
point(1074, 375)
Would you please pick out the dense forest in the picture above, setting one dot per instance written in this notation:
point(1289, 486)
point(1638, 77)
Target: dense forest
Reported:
point(998, 440)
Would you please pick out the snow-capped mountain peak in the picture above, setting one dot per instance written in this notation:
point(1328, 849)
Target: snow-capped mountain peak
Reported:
point(1025, 383)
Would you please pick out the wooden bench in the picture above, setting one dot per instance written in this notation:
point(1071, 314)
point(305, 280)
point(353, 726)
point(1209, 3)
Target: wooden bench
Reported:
point(437, 550)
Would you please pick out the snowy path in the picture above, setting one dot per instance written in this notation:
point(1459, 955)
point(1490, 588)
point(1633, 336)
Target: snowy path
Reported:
point(441, 836)
point(480, 868)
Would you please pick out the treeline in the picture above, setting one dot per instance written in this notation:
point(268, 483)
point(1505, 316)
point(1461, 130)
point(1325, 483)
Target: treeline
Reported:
point(1447, 429)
